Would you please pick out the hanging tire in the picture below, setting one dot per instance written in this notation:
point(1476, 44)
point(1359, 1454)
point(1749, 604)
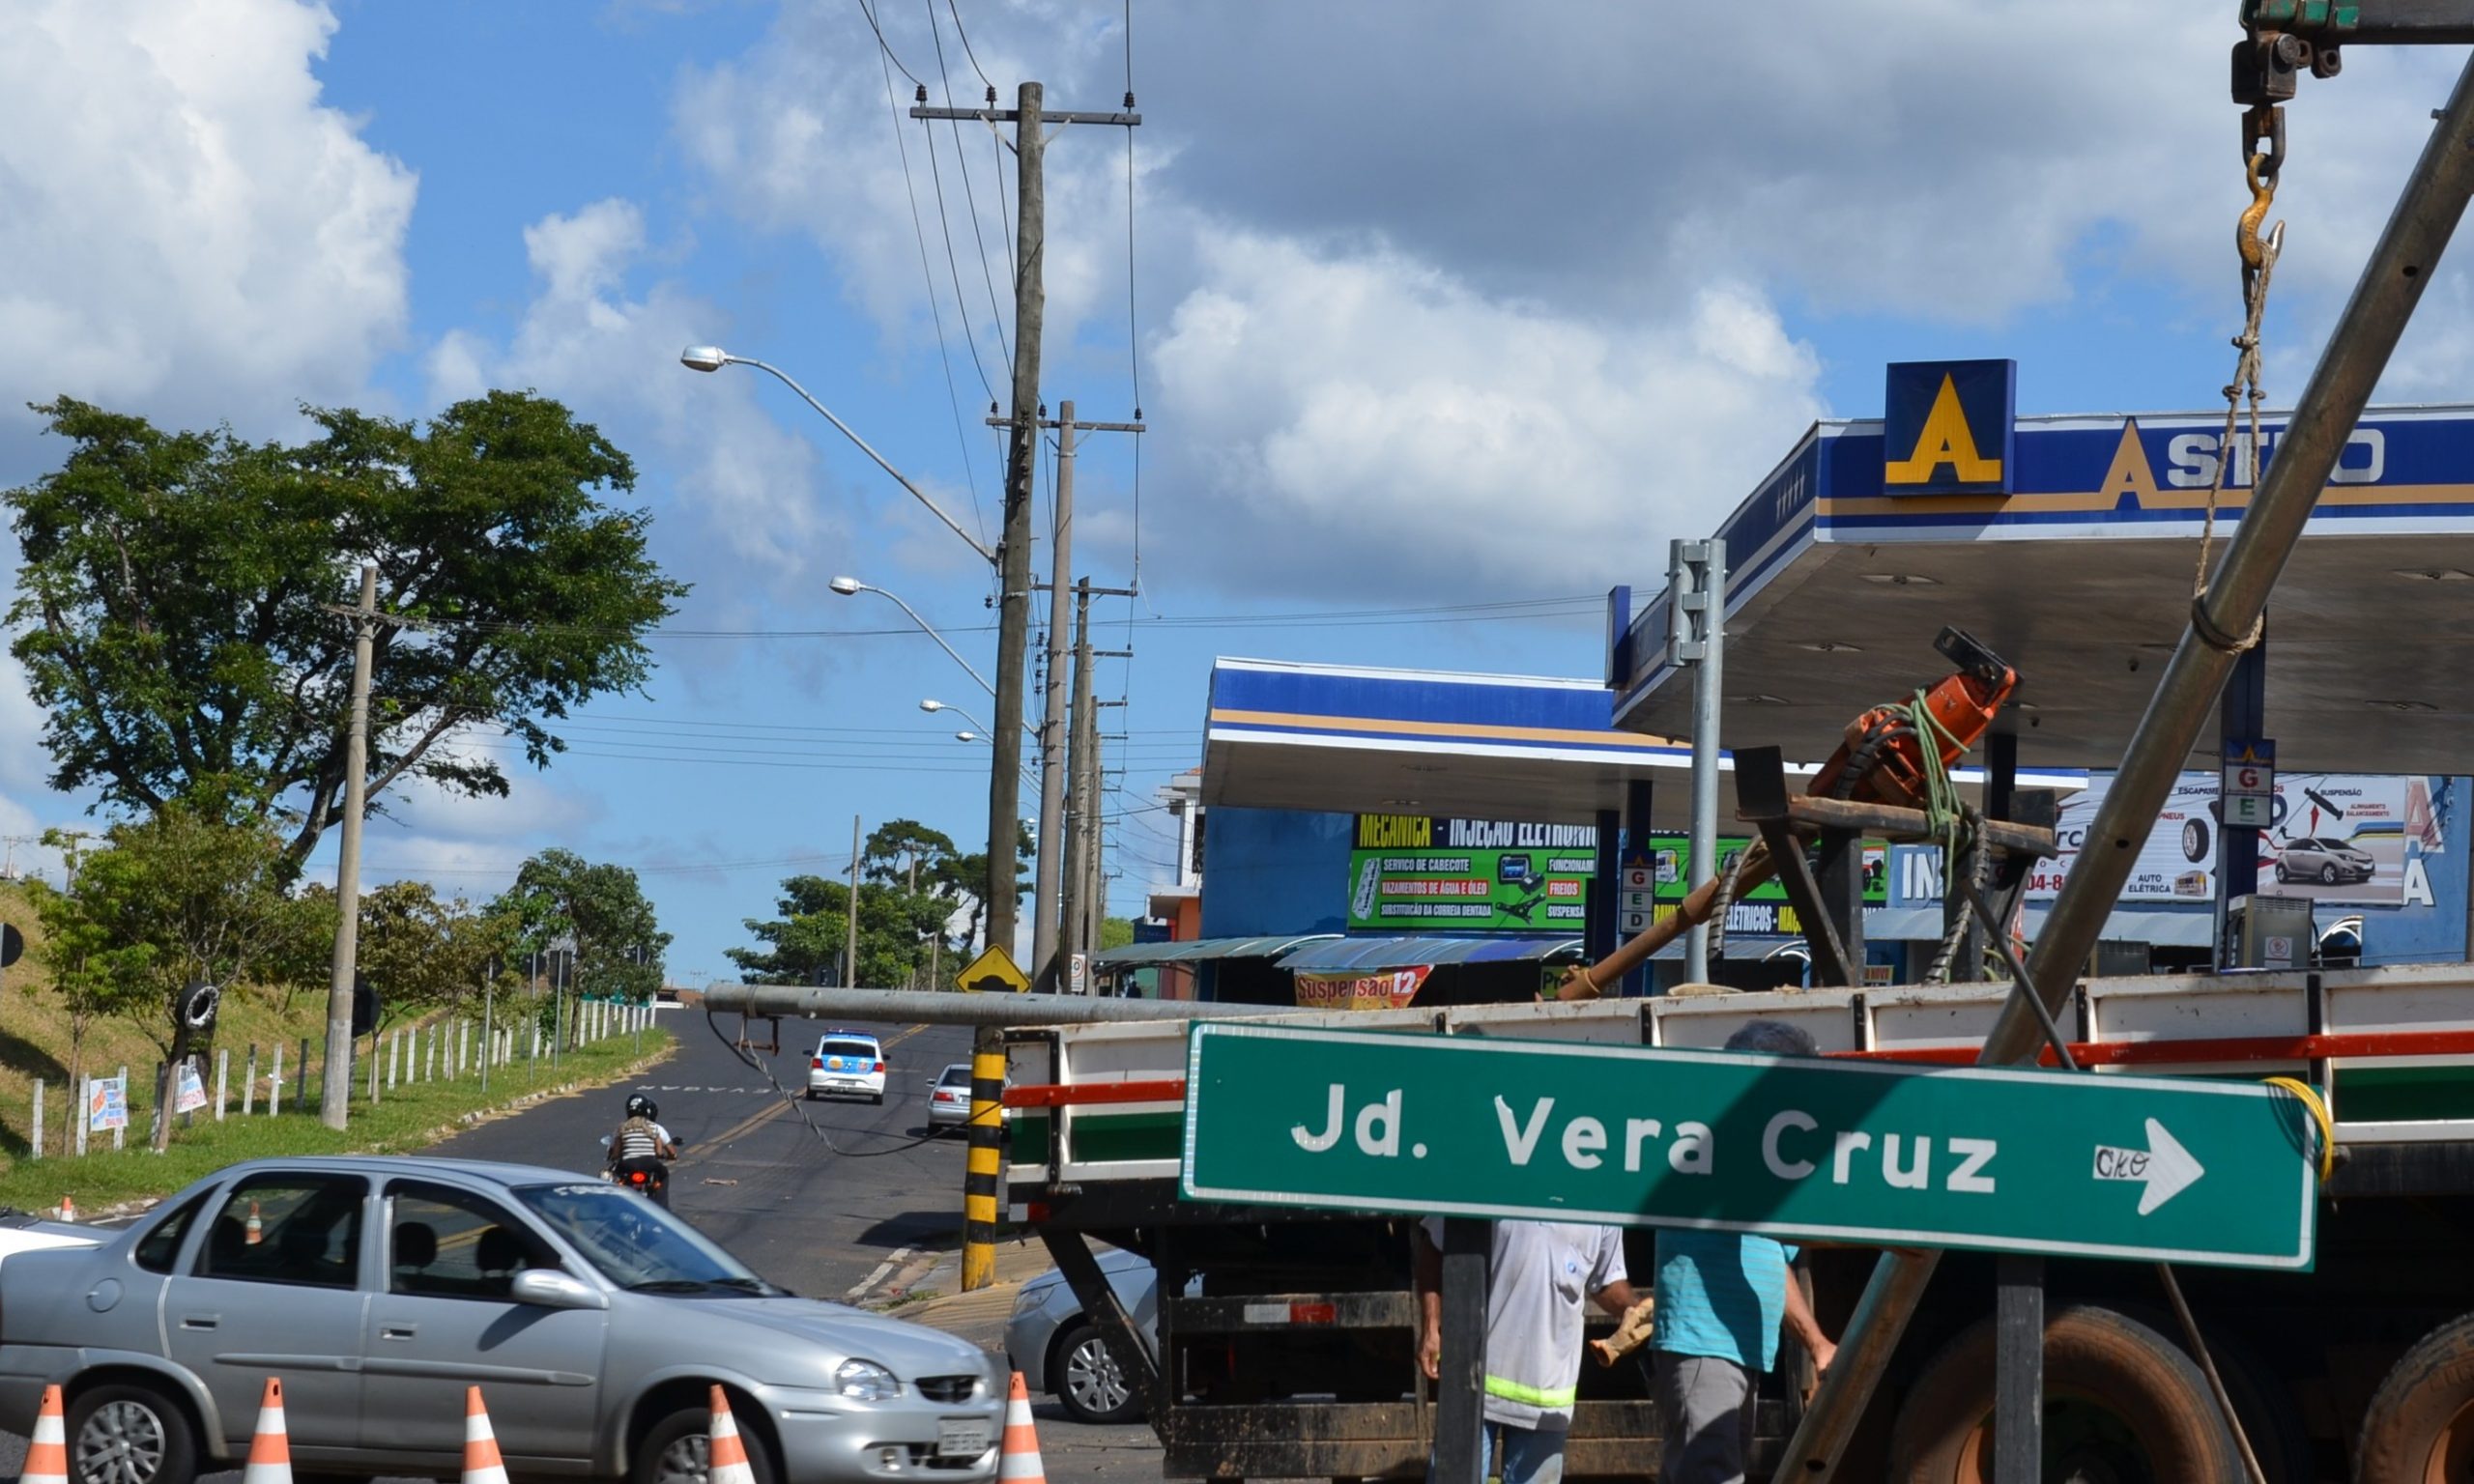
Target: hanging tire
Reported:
point(2421, 1422)
point(2122, 1403)
point(674, 1451)
point(1087, 1380)
point(129, 1434)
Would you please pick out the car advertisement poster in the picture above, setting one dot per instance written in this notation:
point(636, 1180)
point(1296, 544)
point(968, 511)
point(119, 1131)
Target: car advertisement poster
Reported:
point(2335, 836)
point(1416, 873)
point(1389, 990)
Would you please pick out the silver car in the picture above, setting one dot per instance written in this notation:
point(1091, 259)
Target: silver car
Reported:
point(378, 1289)
point(1057, 1350)
point(2325, 860)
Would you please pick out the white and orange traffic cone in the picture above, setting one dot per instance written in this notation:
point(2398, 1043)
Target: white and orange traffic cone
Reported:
point(271, 1451)
point(68, 1209)
point(47, 1455)
point(1018, 1462)
point(725, 1451)
point(481, 1462)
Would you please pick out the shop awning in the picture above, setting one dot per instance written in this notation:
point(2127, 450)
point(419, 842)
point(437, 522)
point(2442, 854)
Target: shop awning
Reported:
point(1335, 955)
point(1200, 950)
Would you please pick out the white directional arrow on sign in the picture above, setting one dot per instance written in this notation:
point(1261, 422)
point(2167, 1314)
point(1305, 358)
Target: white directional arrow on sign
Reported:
point(2164, 1164)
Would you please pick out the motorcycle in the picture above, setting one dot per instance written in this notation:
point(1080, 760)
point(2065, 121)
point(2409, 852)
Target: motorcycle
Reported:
point(649, 1178)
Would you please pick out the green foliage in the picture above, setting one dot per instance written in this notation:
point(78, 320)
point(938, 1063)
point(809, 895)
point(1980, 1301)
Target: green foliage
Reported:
point(556, 895)
point(1115, 931)
point(897, 926)
point(187, 895)
point(175, 594)
point(965, 877)
point(419, 954)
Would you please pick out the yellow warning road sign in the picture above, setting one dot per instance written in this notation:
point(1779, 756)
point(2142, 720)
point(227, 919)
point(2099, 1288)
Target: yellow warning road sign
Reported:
point(994, 972)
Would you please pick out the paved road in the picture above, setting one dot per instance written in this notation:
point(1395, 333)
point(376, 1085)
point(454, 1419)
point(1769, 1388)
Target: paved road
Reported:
point(813, 1195)
point(818, 1197)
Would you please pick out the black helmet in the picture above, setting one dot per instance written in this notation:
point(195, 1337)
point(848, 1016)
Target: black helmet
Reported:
point(639, 1105)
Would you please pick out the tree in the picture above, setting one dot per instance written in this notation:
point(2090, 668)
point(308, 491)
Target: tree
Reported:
point(804, 945)
point(966, 877)
point(619, 944)
point(93, 976)
point(204, 895)
point(898, 850)
point(176, 594)
point(1115, 931)
point(420, 953)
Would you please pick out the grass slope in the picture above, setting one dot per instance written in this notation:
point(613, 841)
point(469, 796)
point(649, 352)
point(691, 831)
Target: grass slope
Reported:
point(34, 1044)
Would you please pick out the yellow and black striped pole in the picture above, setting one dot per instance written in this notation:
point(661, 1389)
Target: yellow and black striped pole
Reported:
point(984, 1172)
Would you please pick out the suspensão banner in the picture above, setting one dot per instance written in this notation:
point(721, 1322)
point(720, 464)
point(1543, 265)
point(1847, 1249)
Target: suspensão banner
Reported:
point(1389, 990)
point(1412, 873)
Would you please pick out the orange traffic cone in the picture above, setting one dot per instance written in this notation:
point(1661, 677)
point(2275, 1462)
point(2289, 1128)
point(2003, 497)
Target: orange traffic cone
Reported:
point(271, 1451)
point(68, 1209)
point(481, 1462)
point(47, 1455)
point(1019, 1458)
point(725, 1452)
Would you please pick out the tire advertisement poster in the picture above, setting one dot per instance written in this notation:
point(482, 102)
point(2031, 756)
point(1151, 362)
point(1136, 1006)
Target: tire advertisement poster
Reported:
point(1416, 873)
point(2337, 837)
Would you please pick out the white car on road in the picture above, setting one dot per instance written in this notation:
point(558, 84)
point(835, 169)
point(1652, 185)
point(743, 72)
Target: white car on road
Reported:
point(847, 1064)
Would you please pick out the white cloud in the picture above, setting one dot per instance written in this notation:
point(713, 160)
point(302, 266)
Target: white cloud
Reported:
point(191, 231)
point(742, 480)
point(1350, 405)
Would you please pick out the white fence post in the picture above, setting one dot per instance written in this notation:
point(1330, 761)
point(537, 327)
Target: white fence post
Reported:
point(275, 1083)
point(34, 1146)
point(222, 1075)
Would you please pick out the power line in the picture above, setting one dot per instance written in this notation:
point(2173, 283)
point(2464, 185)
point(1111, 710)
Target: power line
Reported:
point(882, 44)
point(970, 195)
point(966, 51)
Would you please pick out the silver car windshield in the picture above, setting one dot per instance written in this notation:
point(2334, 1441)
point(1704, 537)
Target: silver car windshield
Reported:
point(640, 1246)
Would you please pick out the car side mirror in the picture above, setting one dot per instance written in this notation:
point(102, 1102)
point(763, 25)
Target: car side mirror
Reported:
point(547, 1288)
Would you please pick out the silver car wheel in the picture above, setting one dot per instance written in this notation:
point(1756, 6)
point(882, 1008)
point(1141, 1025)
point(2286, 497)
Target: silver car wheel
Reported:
point(684, 1461)
point(1093, 1380)
point(122, 1443)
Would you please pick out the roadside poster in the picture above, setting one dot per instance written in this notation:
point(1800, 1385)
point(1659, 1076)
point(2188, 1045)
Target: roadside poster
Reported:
point(1762, 910)
point(1387, 989)
point(2334, 837)
point(192, 1094)
point(1410, 873)
point(106, 1104)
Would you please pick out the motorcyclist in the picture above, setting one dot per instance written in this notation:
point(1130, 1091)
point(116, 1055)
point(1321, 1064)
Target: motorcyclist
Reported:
point(642, 1146)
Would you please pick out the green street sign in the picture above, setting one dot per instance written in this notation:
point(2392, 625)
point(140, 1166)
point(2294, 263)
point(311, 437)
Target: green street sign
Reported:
point(1873, 1152)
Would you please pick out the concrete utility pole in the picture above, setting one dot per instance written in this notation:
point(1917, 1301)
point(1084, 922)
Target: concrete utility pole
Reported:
point(1073, 905)
point(851, 946)
point(1013, 617)
point(1046, 926)
point(1050, 891)
point(334, 1099)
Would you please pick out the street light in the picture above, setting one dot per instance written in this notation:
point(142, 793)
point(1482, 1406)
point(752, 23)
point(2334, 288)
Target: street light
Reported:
point(847, 586)
point(970, 736)
point(712, 357)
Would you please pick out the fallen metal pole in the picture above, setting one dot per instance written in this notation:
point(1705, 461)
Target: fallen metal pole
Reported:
point(2287, 490)
point(938, 1007)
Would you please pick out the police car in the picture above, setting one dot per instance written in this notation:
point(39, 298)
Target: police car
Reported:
point(847, 1064)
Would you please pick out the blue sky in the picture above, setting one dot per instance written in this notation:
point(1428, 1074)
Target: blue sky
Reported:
point(1431, 305)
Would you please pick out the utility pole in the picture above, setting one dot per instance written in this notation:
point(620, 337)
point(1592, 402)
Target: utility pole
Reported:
point(850, 947)
point(1083, 905)
point(1050, 890)
point(980, 1205)
point(334, 1099)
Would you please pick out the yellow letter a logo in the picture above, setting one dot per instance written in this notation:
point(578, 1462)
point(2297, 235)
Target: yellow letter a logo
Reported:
point(1946, 438)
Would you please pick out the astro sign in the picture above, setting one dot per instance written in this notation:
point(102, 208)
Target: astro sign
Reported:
point(1948, 427)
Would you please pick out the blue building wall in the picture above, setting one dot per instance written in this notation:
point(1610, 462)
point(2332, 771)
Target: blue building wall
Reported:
point(1267, 870)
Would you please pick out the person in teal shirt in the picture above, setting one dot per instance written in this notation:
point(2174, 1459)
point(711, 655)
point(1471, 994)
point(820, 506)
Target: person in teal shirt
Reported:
point(1721, 1299)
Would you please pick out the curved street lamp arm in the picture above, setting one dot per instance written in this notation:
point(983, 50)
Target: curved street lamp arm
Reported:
point(986, 554)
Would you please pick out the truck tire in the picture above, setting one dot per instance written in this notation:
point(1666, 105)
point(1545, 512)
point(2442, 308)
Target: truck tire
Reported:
point(2122, 1403)
point(2420, 1423)
point(2271, 1417)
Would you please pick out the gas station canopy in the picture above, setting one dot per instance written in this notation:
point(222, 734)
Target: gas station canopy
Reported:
point(1343, 739)
point(2080, 576)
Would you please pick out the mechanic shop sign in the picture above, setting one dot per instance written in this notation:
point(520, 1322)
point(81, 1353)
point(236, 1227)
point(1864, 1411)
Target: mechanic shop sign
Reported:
point(1413, 873)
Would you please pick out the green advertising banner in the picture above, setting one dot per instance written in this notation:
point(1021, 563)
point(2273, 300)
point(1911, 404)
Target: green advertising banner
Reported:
point(1821, 1149)
point(1416, 873)
point(1671, 870)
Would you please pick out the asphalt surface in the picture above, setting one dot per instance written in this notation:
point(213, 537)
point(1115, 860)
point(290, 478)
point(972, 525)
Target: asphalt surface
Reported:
point(823, 1198)
point(813, 1195)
